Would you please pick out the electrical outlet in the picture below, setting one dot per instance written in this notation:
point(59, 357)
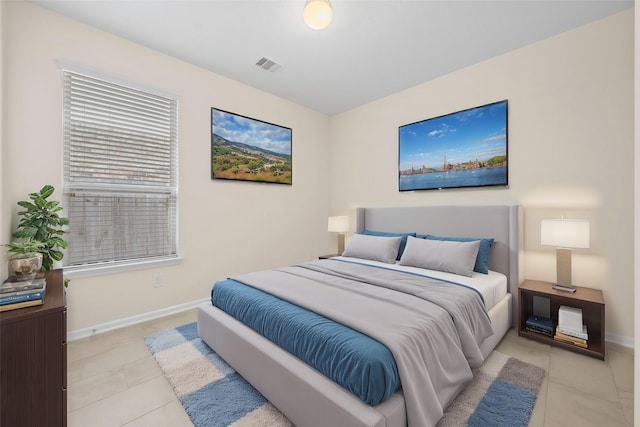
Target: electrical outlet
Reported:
point(157, 281)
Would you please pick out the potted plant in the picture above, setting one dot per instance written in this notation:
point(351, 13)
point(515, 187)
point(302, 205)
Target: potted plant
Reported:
point(41, 222)
point(26, 260)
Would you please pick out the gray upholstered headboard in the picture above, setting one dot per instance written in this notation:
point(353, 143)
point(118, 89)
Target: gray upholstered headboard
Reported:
point(503, 223)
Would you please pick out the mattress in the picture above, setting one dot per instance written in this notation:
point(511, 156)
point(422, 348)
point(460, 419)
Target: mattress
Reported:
point(492, 286)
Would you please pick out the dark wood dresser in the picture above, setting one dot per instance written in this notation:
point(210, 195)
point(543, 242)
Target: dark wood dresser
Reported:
point(33, 361)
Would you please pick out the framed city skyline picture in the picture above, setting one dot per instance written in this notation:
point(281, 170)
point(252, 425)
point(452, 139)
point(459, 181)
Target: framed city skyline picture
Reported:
point(247, 149)
point(467, 148)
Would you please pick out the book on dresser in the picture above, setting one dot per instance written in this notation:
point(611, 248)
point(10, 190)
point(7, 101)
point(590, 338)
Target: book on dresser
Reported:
point(23, 304)
point(28, 293)
point(11, 285)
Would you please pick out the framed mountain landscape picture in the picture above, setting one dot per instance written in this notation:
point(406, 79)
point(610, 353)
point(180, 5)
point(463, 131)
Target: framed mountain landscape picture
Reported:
point(247, 149)
point(463, 149)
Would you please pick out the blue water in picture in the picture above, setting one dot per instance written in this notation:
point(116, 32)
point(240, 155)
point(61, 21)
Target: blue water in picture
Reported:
point(464, 178)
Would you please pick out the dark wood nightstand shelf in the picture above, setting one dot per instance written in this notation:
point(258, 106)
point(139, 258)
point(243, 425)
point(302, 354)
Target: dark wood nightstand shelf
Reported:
point(591, 301)
point(33, 361)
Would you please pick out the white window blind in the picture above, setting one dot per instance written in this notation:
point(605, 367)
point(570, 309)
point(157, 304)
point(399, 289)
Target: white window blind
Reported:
point(120, 172)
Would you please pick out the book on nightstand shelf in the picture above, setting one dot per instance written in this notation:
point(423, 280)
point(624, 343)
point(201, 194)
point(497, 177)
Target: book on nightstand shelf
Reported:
point(570, 327)
point(573, 333)
point(574, 340)
point(570, 340)
point(540, 325)
point(539, 331)
point(573, 337)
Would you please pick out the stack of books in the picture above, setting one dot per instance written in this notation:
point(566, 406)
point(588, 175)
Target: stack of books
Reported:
point(570, 328)
point(540, 325)
point(579, 338)
point(19, 294)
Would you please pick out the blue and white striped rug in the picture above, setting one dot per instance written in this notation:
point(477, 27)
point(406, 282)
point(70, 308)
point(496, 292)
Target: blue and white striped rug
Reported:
point(502, 392)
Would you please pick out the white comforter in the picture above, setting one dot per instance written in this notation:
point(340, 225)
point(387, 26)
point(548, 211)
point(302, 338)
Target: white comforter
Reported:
point(492, 286)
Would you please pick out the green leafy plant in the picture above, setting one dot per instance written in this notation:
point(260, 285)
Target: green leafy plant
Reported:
point(41, 222)
point(24, 247)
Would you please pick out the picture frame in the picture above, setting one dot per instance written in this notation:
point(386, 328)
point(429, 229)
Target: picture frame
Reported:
point(248, 149)
point(467, 148)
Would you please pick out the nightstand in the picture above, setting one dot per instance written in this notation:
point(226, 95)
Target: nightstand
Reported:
point(327, 256)
point(590, 301)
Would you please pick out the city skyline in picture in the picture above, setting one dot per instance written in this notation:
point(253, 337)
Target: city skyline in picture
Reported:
point(469, 142)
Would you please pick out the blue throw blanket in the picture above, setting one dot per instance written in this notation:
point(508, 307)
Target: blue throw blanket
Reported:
point(359, 363)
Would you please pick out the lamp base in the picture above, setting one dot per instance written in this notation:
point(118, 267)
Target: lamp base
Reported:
point(571, 289)
point(563, 267)
point(340, 243)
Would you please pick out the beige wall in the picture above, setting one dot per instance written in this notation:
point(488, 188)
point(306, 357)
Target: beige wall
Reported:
point(636, 233)
point(225, 227)
point(570, 150)
point(5, 223)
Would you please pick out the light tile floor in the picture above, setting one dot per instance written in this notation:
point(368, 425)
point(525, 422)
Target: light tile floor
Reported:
point(114, 381)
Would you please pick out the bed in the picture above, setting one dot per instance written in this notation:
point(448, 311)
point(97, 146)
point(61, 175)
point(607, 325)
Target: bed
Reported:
point(309, 398)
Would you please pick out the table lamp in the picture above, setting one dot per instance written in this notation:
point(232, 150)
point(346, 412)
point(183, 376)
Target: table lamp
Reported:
point(564, 234)
point(340, 225)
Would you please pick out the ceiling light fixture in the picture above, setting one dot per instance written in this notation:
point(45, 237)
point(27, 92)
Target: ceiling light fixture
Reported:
point(317, 13)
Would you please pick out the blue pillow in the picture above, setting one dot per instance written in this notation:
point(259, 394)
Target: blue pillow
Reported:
point(482, 261)
point(403, 242)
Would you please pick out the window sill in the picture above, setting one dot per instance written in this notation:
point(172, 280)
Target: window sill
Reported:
point(119, 267)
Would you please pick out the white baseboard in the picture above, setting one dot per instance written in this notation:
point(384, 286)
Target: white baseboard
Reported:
point(128, 321)
point(139, 318)
point(620, 340)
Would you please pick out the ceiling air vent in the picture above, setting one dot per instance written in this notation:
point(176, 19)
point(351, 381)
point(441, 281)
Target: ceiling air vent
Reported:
point(268, 65)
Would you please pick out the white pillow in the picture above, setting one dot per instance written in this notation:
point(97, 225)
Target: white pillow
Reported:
point(375, 248)
point(441, 255)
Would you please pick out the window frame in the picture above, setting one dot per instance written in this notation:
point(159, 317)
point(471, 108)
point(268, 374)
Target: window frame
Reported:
point(108, 266)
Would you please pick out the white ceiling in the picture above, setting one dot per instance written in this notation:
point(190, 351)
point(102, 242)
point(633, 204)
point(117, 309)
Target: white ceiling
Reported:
point(370, 50)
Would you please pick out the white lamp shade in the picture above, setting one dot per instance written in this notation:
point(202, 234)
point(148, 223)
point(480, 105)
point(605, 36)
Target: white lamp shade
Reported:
point(338, 224)
point(317, 13)
point(565, 233)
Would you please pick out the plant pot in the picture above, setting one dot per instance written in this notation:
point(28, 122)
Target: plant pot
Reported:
point(25, 266)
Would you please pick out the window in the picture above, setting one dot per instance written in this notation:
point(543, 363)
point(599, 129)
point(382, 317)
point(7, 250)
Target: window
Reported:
point(120, 173)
